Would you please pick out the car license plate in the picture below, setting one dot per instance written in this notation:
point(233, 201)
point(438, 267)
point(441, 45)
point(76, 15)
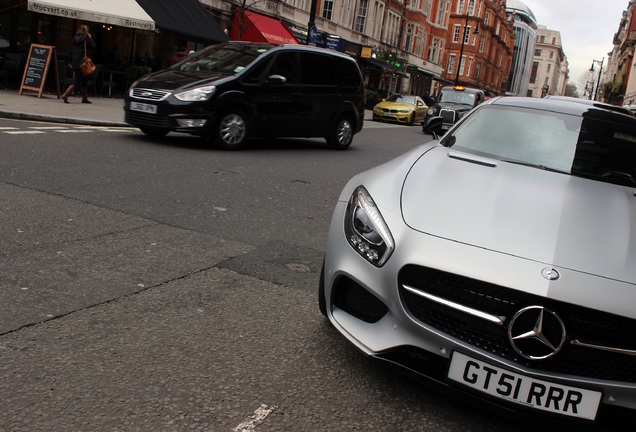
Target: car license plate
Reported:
point(137, 106)
point(523, 390)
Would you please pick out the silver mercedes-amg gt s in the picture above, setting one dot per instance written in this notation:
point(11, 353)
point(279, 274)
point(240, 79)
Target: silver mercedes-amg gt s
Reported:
point(500, 261)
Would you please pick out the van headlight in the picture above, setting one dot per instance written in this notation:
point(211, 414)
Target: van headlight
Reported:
point(196, 94)
point(366, 230)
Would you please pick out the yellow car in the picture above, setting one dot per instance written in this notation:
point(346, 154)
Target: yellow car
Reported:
point(407, 109)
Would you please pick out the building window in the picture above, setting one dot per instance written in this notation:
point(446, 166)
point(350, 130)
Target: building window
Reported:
point(456, 30)
point(537, 53)
point(551, 54)
point(433, 50)
point(460, 7)
point(487, 18)
point(549, 67)
point(471, 7)
point(482, 43)
point(477, 71)
point(541, 39)
point(362, 15)
point(443, 12)
point(470, 64)
point(462, 65)
point(327, 9)
point(451, 64)
point(533, 74)
point(408, 41)
point(378, 15)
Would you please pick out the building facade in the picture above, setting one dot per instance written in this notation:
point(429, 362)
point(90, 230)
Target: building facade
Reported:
point(618, 84)
point(525, 28)
point(549, 71)
point(407, 46)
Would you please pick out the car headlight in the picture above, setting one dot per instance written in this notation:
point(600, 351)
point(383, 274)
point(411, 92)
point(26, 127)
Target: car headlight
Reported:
point(196, 94)
point(366, 230)
point(431, 111)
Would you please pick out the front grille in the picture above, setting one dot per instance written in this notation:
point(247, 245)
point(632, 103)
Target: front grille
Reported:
point(149, 94)
point(388, 110)
point(581, 323)
point(448, 116)
point(140, 119)
point(357, 301)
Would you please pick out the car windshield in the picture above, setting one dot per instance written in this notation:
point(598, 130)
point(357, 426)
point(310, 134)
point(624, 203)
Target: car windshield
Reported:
point(457, 97)
point(226, 59)
point(409, 100)
point(598, 145)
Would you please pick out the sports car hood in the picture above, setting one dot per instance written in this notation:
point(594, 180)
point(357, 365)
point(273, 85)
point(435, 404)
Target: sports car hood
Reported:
point(395, 105)
point(553, 218)
point(170, 79)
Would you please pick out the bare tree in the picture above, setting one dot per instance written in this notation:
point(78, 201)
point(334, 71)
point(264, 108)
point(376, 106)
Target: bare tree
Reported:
point(571, 90)
point(241, 6)
point(586, 84)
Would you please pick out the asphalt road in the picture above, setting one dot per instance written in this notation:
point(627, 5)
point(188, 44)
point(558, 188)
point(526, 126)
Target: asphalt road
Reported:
point(165, 285)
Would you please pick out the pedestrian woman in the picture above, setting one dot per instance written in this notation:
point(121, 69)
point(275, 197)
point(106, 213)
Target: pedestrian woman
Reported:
point(81, 41)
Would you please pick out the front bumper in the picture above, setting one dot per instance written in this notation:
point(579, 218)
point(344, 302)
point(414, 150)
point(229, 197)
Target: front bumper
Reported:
point(168, 114)
point(370, 307)
point(379, 115)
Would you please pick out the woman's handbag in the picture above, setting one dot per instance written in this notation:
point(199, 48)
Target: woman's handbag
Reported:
point(87, 66)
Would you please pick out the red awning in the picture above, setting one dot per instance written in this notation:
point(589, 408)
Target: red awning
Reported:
point(260, 28)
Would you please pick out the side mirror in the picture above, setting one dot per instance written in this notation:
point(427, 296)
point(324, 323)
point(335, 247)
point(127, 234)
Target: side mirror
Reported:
point(433, 126)
point(430, 101)
point(276, 80)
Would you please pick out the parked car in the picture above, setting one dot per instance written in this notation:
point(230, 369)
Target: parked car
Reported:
point(237, 90)
point(500, 261)
point(407, 109)
point(452, 103)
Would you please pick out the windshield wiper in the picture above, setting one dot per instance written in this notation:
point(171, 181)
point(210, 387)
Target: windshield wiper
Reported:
point(534, 165)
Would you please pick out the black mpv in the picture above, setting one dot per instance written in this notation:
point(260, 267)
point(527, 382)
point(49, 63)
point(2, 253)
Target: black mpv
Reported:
point(237, 90)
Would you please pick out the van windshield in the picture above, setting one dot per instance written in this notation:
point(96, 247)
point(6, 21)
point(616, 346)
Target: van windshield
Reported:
point(228, 59)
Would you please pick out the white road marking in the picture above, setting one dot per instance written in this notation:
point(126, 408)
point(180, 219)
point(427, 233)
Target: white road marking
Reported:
point(73, 130)
point(47, 127)
point(7, 128)
point(255, 419)
point(20, 132)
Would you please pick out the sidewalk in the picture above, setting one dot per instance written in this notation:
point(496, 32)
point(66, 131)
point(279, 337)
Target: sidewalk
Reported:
point(104, 111)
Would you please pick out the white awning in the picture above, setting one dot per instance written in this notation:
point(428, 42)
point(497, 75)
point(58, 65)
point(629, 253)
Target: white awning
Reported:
point(126, 13)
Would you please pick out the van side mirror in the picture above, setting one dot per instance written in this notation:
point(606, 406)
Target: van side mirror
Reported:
point(276, 80)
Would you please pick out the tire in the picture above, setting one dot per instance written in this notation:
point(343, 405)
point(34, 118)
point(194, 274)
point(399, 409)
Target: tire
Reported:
point(154, 133)
point(232, 130)
point(322, 300)
point(342, 134)
point(412, 120)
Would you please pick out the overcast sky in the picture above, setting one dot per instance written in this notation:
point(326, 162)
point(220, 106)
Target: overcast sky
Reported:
point(587, 29)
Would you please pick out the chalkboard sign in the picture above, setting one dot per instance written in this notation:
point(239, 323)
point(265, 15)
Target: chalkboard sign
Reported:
point(36, 68)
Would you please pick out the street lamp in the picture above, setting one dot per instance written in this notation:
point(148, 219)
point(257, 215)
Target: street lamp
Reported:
point(461, 51)
point(598, 82)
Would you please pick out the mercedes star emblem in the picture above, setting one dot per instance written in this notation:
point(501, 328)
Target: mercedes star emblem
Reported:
point(550, 274)
point(536, 333)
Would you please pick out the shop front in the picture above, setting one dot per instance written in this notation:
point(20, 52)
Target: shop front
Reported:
point(132, 36)
point(254, 27)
